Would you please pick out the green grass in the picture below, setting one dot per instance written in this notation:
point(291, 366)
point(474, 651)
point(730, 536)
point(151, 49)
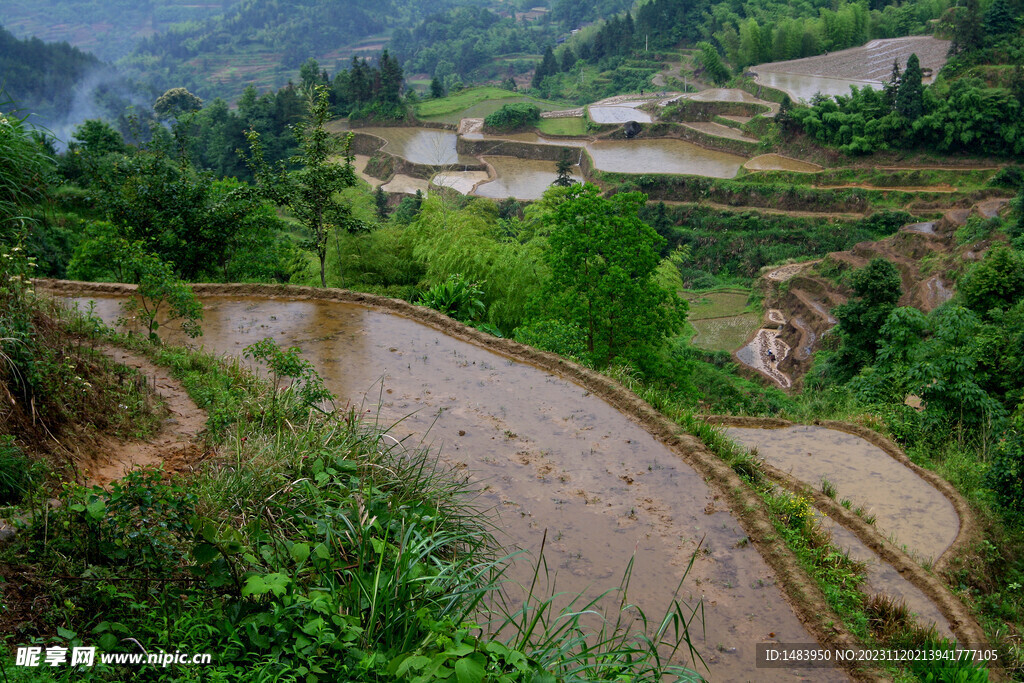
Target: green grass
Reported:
point(724, 334)
point(461, 100)
point(468, 103)
point(575, 125)
point(721, 319)
point(717, 303)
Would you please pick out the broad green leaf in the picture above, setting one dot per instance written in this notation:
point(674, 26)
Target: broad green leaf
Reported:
point(300, 552)
point(469, 670)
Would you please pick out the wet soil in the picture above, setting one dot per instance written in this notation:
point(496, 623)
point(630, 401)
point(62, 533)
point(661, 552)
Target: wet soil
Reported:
point(617, 114)
point(406, 184)
point(916, 514)
point(765, 351)
point(869, 62)
point(462, 182)
point(549, 455)
point(174, 447)
point(882, 578)
point(955, 614)
point(787, 272)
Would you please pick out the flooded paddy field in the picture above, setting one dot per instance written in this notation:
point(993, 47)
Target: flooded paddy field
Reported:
point(721, 319)
point(905, 506)
point(663, 156)
point(420, 145)
point(869, 64)
point(521, 178)
point(548, 456)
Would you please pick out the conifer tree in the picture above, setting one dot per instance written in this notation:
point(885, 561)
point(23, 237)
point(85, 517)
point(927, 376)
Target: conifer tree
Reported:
point(910, 94)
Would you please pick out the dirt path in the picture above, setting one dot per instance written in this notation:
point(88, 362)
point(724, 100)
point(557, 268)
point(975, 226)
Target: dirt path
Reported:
point(174, 445)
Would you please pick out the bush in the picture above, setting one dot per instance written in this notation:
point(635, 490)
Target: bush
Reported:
point(1006, 473)
point(512, 116)
point(457, 298)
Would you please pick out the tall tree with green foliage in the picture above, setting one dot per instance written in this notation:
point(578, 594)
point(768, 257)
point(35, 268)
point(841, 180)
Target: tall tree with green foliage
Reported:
point(309, 191)
point(910, 93)
point(548, 67)
point(564, 169)
point(997, 283)
point(877, 288)
point(999, 18)
point(712, 64)
point(603, 259)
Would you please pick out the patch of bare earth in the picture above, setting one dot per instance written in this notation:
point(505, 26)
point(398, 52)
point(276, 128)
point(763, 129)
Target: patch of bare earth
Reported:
point(174, 447)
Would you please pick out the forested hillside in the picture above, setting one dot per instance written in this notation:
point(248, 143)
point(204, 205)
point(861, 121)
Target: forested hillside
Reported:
point(59, 85)
point(109, 29)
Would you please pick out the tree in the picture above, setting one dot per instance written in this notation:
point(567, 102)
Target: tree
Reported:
point(910, 94)
point(380, 198)
point(390, 80)
point(603, 259)
point(436, 88)
point(995, 283)
point(176, 102)
point(564, 169)
point(877, 288)
point(309, 191)
point(967, 28)
point(97, 138)
point(999, 18)
point(712, 63)
point(892, 86)
point(547, 67)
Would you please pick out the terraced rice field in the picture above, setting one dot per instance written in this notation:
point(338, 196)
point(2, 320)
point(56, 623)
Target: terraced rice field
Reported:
point(721, 319)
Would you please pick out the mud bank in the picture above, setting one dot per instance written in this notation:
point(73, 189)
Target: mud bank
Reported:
point(665, 524)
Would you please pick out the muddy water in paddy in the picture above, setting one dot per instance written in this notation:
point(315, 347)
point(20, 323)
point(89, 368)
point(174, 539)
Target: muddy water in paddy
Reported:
point(662, 156)
point(617, 114)
point(521, 178)
point(421, 145)
point(882, 578)
point(549, 456)
point(906, 507)
point(804, 87)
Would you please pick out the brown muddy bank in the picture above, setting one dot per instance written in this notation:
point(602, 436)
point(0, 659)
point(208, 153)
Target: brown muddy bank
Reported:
point(627, 498)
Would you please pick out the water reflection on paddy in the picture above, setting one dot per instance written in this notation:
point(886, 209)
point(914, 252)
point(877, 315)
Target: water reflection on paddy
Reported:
point(421, 145)
point(521, 178)
point(663, 156)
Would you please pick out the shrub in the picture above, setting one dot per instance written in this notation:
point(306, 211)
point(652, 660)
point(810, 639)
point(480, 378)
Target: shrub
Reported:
point(512, 116)
point(457, 298)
